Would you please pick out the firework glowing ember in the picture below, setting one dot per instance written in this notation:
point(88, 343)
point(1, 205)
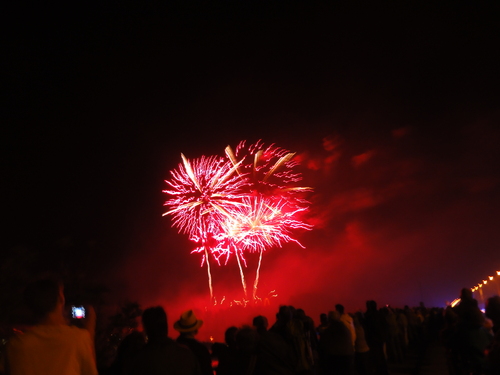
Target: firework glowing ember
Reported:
point(245, 202)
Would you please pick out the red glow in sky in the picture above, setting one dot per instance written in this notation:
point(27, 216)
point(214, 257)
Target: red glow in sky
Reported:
point(392, 111)
point(393, 228)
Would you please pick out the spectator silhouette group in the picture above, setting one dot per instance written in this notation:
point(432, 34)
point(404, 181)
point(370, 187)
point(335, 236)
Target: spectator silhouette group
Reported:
point(343, 343)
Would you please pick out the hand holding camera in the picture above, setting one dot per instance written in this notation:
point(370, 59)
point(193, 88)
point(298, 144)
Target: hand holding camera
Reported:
point(78, 312)
point(84, 317)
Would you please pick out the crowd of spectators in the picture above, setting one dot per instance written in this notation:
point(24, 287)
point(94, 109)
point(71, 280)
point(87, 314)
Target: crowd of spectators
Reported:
point(358, 343)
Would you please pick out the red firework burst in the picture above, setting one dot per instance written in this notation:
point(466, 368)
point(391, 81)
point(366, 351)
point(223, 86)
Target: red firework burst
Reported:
point(247, 202)
point(204, 192)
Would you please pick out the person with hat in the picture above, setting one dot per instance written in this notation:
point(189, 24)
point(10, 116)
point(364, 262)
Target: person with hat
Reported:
point(188, 326)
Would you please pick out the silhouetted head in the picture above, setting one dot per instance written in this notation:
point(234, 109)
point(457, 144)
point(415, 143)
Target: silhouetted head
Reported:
point(246, 340)
point(154, 321)
point(371, 305)
point(323, 318)
point(42, 296)
point(230, 335)
point(333, 315)
point(284, 313)
point(300, 313)
point(493, 310)
point(260, 323)
point(466, 294)
point(188, 324)
point(339, 308)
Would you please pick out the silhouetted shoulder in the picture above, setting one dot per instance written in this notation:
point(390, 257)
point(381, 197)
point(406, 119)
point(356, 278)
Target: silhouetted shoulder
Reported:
point(166, 357)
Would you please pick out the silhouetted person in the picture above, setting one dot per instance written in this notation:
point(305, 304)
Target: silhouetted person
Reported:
point(413, 325)
point(311, 342)
point(469, 314)
point(375, 328)
point(323, 323)
point(246, 342)
point(226, 353)
point(393, 344)
point(161, 354)
point(472, 337)
point(336, 351)
point(51, 346)
point(402, 322)
point(283, 319)
point(274, 354)
point(291, 330)
point(188, 326)
point(260, 323)
point(126, 352)
point(448, 337)
point(362, 358)
point(493, 312)
point(347, 320)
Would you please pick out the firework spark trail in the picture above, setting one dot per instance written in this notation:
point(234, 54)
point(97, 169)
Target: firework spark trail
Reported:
point(257, 276)
point(238, 255)
point(261, 223)
point(203, 193)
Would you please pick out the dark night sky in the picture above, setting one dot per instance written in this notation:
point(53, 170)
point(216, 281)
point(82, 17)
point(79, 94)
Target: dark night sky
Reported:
point(393, 109)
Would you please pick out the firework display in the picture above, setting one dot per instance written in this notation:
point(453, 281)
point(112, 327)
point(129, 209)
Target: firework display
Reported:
point(203, 193)
point(246, 202)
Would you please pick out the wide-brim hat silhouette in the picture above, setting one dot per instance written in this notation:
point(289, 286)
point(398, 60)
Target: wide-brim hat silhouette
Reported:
point(188, 322)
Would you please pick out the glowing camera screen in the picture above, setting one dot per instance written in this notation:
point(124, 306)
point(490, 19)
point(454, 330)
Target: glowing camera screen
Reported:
point(78, 312)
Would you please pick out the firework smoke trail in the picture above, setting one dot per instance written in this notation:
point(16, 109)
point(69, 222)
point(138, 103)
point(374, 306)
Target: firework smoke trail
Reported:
point(203, 193)
point(257, 276)
point(242, 274)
